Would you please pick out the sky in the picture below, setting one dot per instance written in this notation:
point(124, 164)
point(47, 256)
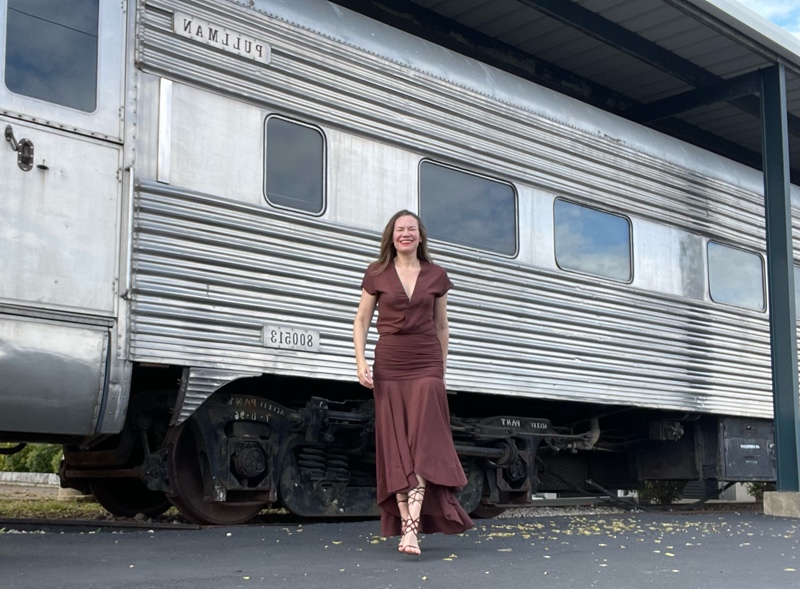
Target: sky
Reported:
point(784, 13)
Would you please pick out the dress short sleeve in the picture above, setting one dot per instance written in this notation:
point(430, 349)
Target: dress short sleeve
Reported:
point(368, 283)
point(441, 283)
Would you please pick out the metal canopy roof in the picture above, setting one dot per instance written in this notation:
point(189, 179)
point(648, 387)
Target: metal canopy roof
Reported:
point(687, 68)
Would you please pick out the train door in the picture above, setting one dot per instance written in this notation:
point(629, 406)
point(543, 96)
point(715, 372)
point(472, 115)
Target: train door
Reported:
point(61, 96)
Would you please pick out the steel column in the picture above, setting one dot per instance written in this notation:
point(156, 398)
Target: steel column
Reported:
point(780, 272)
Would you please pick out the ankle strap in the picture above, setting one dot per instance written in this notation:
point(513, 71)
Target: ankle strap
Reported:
point(410, 526)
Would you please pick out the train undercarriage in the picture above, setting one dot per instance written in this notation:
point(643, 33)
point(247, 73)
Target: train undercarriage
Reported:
point(242, 452)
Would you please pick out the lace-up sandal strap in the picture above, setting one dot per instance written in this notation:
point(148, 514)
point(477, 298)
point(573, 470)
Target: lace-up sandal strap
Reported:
point(416, 495)
point(411, 526)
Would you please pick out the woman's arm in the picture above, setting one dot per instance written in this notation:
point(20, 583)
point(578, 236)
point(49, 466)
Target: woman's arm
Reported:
point(366, 308)
point(442, 327)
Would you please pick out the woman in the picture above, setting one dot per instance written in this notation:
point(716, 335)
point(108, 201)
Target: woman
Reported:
point(416, 461)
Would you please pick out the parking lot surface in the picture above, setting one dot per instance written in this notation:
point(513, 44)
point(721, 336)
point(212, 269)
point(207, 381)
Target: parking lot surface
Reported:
point(703, 550)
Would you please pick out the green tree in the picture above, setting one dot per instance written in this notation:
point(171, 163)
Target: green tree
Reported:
point(33, 458)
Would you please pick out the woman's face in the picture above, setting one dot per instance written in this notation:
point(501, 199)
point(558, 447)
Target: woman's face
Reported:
point(406, 235)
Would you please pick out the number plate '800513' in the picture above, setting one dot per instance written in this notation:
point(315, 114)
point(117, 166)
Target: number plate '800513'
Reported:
point(290, 338)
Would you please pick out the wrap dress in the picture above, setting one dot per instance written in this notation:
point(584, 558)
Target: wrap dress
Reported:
point(412, 418)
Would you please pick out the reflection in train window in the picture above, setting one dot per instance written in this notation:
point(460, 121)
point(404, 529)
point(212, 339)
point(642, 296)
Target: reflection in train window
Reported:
point(735, 277)
point(51, 51)
point(592, 241)
point(295, 166)
point(468, 209)
point(797, 293)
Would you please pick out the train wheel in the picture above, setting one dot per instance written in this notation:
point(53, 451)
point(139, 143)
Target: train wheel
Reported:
point(187, 467)
point(129, 497)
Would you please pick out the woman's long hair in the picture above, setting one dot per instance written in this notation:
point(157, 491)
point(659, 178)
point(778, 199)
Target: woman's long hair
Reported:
point(389, 252)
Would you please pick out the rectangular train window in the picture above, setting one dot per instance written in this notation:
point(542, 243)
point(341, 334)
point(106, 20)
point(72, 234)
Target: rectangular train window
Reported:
point(295, 166)
point(735, 277)
point(797, 293)
point(468, 209)
point(592, 241)
point(51, 51)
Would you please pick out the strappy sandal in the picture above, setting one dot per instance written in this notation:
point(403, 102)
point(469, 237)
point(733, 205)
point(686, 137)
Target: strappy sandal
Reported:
point(402, 547)
point(411, 526)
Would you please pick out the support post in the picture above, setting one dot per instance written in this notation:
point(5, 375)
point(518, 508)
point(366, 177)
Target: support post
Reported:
point(780, 272)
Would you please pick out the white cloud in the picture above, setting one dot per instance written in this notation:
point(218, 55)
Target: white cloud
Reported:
point(784, 13)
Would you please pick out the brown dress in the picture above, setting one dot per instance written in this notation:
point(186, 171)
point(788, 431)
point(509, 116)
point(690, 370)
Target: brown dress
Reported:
point(412, 419)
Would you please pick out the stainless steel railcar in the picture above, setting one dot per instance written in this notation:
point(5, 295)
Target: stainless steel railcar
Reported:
point(196, 186)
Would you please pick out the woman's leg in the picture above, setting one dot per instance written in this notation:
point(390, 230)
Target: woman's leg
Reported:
point(402, 506)
point(416, 496)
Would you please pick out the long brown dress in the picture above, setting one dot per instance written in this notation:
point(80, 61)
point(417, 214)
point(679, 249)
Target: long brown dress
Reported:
point(412, 419)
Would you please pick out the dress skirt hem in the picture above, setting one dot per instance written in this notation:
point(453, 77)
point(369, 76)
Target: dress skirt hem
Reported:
point(413, 437)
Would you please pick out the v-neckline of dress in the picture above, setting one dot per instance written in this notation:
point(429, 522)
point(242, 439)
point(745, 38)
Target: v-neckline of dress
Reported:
point(416, 282)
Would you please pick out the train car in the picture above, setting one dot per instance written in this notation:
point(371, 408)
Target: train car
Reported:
point(192, 189)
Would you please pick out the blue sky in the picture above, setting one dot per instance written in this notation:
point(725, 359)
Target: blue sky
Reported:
point(785, 13)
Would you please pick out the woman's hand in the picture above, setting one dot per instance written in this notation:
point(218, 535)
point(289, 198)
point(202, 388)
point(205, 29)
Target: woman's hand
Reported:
point(364, 375)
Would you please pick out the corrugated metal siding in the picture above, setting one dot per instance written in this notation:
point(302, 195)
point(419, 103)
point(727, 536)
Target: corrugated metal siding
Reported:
point(198, 384)
point(210, 272)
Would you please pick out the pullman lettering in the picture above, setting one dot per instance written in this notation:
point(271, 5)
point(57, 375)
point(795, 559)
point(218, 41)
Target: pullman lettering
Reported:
point(221, 38)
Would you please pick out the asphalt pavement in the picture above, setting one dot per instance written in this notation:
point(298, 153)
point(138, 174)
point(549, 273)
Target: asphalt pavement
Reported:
point(630, 550)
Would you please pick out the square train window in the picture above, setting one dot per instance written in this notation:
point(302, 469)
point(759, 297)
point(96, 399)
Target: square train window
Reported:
point(295, 166)
point(51, 51)
point(591, 241)
point(468, 209)
point(735, 276)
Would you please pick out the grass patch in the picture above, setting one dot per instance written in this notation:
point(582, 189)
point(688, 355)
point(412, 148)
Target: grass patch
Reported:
point(51, 509)
point(54, 509)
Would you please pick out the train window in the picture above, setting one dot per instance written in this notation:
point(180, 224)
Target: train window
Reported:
point(51, 51)
point(797, 293)
point(471, 210)
point(295, 166)
point(735, 277)
point(592, 241)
